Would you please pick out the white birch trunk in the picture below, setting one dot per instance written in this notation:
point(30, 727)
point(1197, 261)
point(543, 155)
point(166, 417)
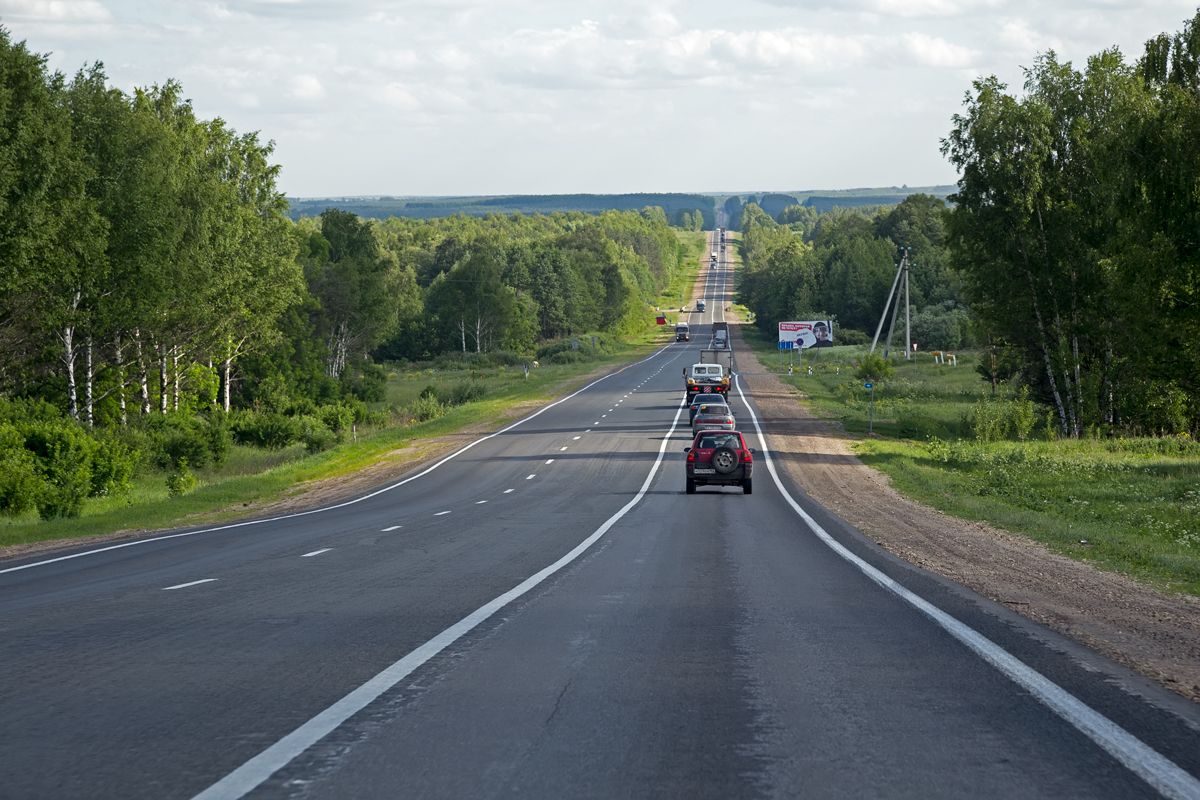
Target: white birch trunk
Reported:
point(143, 372)
point(118, 351)
point(162, 380)
point(175, 378)
point(88, 387)
point(68, 342)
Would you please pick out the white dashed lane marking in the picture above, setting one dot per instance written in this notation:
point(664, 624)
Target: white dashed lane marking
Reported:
point(531, 476)
point(561, 449)
point(190, 583)
point(317, 552)
point(549, 460)
point(392, 528)
point(574, 438)
point(480, 502)
point(508, 491)
point(441, 513)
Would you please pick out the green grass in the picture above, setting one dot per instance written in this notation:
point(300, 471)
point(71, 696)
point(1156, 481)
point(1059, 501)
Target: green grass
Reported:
point(252, 476)
point(1126, 505)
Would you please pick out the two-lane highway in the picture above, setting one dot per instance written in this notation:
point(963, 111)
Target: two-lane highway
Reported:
point(547, 614)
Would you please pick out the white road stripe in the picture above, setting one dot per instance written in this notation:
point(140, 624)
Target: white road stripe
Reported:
point(531, 476)
point(1148, 764)
point(317, 552)
point(392, 528)
point(190, 583)
point(564, 447)
point(335, 506)
point(549, 460)
point(508, 491)
point(249, 775)
point(480, 502)
point(441, 513)
point(575, 438)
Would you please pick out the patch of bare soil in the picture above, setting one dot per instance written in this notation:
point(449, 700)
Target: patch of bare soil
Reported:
point(1155, 633)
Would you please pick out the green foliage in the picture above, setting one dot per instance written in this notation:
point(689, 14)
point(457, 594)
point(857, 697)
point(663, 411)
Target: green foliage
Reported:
point(466, 392)
point(181, 480)
point(426, 408)
point(268, 429)
point(872, 367)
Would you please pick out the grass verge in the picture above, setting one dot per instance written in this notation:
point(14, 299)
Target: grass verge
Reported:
point(1127, 505)
point(251, 477)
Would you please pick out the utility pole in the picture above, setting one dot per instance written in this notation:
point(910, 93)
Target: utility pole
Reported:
point(893, 306)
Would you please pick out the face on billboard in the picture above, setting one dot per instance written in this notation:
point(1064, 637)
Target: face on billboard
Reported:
point(812, 333)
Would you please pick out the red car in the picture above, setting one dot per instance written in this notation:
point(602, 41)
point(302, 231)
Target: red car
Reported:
point(719, 458)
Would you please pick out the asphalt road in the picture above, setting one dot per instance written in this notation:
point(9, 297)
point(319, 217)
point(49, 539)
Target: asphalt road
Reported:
point(546, 614)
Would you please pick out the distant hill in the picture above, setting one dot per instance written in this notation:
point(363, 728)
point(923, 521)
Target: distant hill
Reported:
point(673, 204)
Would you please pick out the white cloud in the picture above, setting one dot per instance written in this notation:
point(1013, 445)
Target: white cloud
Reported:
point(54, 10)
point(307, 87)
point(933, 51)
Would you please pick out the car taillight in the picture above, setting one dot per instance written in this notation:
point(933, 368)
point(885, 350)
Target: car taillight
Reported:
point(746, 456)
point(691, 455)
point(729, 420)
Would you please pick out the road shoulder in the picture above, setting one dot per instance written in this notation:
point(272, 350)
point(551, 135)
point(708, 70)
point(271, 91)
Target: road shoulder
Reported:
point(1153, 632)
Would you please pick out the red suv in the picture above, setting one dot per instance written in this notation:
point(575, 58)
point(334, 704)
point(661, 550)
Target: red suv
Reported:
point(719, 458)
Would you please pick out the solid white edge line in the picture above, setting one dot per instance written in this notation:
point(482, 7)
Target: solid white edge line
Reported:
point(317, 552)
point(346, 503)
point(1148, 764)
point(189, 583)
point(251, 774)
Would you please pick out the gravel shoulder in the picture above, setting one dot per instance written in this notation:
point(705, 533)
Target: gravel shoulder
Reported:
point(1150, 631)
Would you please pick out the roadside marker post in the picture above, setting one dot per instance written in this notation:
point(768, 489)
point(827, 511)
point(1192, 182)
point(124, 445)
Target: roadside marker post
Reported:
point(870, 408)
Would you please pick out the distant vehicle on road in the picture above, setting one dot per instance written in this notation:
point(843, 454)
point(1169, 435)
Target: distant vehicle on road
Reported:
point(699, 305)
point(720, 340)
point(719, 458)
point(714, 417)
point(713, 400)
point(682, 332)
point(705, 378)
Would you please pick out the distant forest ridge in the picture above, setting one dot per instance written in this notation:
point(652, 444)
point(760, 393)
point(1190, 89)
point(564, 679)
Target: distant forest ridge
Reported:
point(675, 205)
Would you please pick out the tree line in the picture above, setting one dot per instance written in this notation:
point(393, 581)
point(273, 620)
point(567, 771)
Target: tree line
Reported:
point(1076, 228)
point(157, 303)
point(840, 265)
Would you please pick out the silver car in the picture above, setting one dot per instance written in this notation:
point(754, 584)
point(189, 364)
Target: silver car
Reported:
point(713, 417)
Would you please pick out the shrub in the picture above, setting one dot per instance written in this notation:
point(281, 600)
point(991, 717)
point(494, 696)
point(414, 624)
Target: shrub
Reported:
point(218, 436)
point(426, 408)
point(872, 367)
point(850, 336)
point(264, 429)
point(337, 417)
point(113, 466)
point(466, 392)
point(64, 454)
point(20, 483)
point(369, 383)
point(315, 435)
point(181, 480)
point(183, 442)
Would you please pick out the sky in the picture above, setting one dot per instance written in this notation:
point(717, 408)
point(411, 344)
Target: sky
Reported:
point(449, 97)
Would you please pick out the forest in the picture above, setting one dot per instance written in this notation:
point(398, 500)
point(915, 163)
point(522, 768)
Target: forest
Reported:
point(157, 304)
point(1071, 248)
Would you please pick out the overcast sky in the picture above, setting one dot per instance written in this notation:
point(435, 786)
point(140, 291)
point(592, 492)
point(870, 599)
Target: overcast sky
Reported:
point(443, 97)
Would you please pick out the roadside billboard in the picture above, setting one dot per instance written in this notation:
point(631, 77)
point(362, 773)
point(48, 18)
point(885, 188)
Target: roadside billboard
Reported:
point(803, 335)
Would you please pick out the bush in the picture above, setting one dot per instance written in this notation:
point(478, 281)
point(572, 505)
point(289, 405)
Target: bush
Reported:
point(369, 383)
point(850, 336)
point(338, 417)
point(181, 480)
point(466, 392)
point(426, 408)
point(20, 483)
point(114, 464)
point(315, 435)
point(264, 429)
point(872, 367)
point(64, 454)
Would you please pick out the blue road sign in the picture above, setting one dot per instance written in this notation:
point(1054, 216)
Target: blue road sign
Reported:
point(787, 345)
point(868, 386)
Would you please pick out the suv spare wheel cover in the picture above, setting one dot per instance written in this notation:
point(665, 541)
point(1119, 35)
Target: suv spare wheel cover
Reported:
point(725, 460)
